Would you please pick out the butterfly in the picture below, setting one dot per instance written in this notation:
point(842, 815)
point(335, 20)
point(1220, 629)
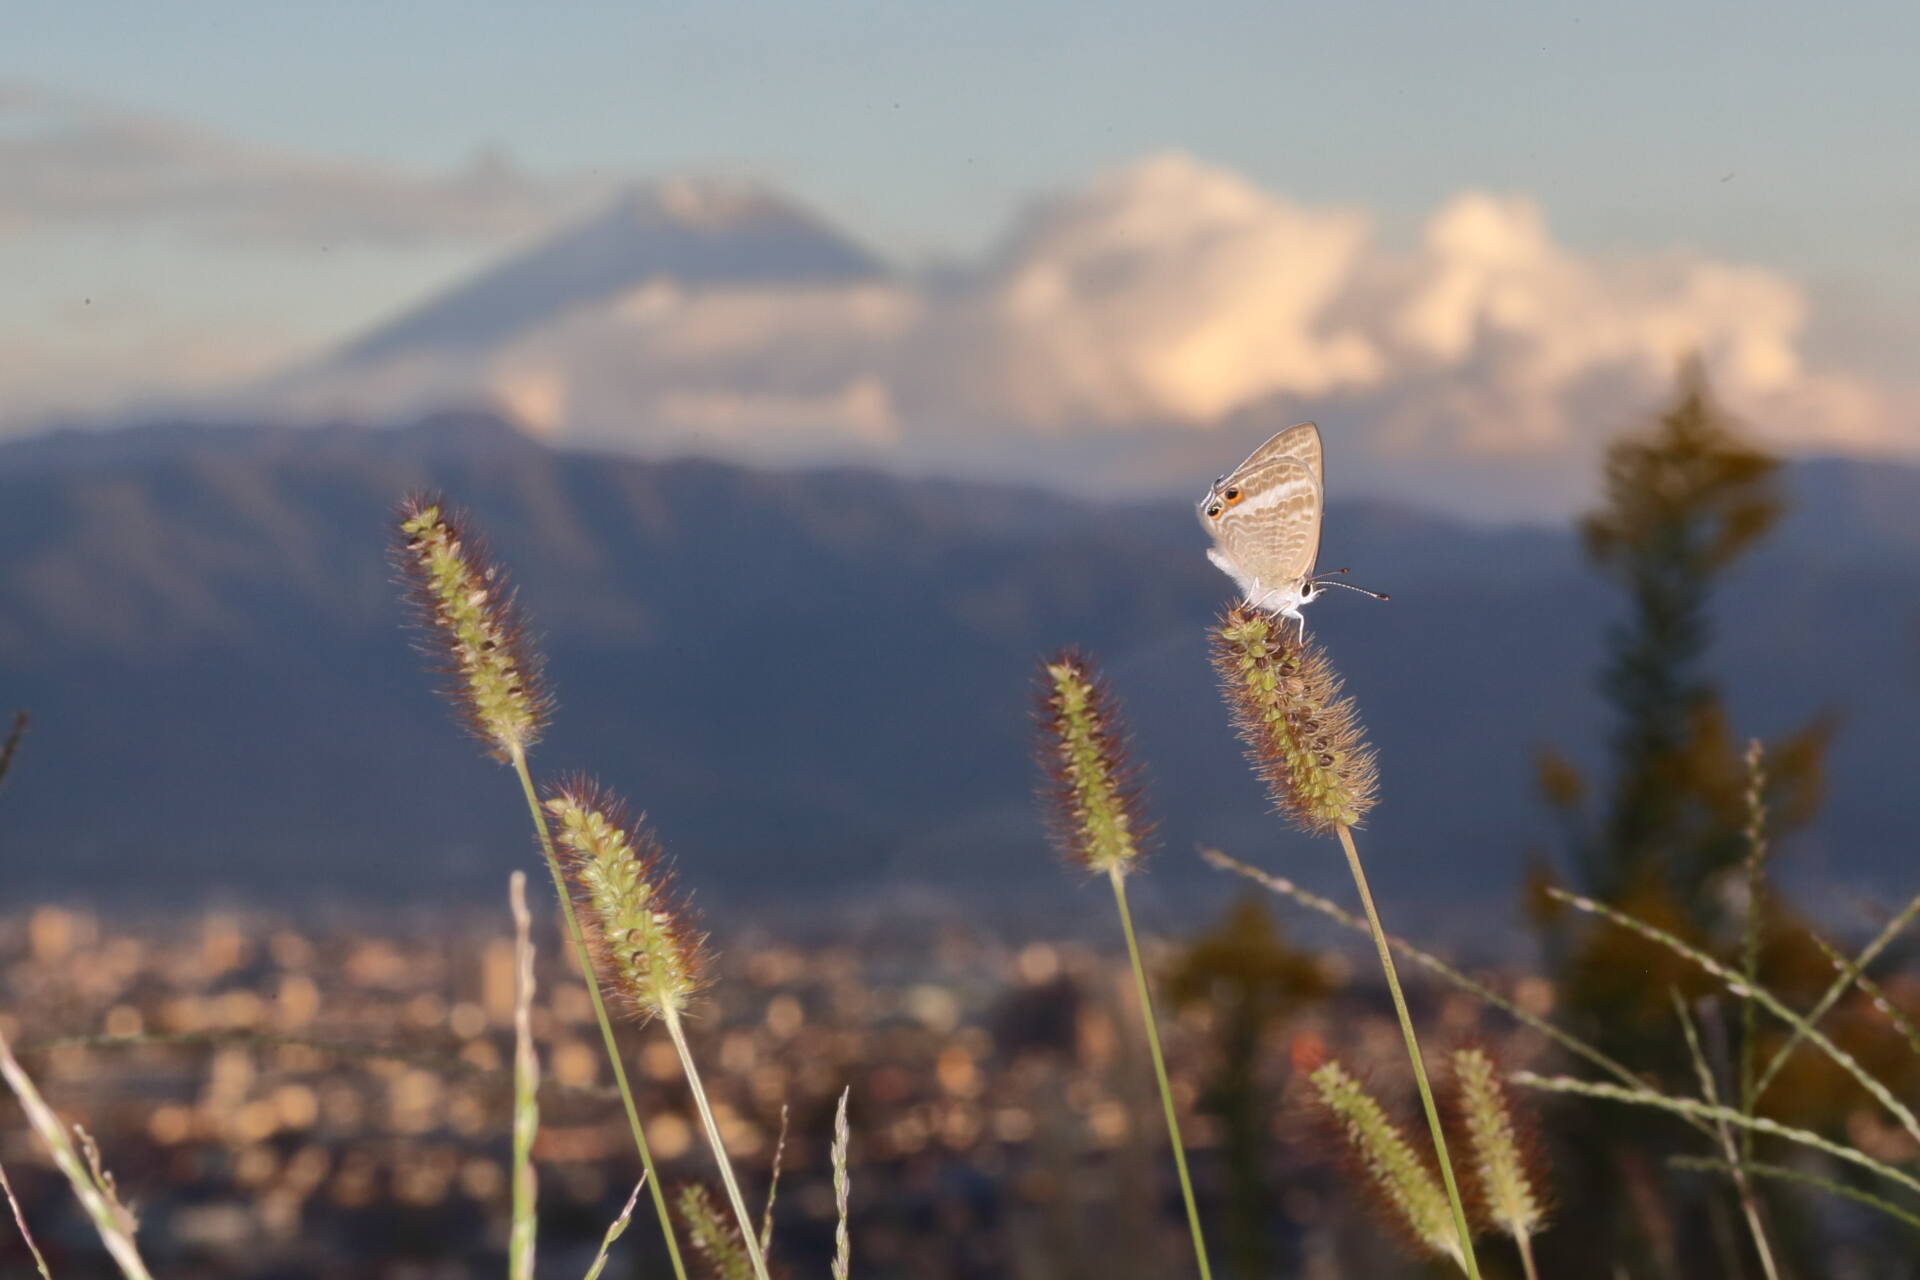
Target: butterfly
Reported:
point(1265, 520)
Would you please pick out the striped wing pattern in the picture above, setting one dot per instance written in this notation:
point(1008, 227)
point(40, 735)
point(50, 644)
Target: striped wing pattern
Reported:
point(1302, 442)
point(1273, 536)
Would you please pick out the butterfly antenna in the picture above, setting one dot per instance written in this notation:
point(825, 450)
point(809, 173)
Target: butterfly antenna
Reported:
point(1327, 580)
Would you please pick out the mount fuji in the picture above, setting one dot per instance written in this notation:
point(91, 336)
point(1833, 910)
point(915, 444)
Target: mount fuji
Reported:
point(693, 232)
point(690, 315)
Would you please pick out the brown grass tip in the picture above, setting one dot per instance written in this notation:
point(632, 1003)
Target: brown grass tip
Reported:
point(1091, 795)
point(642, 933)
point(1302, 737)
point(479, 637)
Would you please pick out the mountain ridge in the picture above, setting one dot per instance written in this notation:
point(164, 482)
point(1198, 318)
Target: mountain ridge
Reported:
point(817, 682)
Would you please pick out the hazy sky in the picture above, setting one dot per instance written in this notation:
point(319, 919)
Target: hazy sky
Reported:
point(410, 143)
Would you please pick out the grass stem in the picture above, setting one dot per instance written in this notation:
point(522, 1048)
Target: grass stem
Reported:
point(1413, 1050)
point(1524, 1243)
point(1756, 867)
point(1834, 991)
point(1115, 875)
point(1802, 1027)
point(20, 1220)
point(588, 972)
point(526, 1089)
point(1644, 1097)
point(671, 1016)
point(1728, 1146)
point(94, 1191)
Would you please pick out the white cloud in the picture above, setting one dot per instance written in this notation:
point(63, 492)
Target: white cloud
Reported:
point(66, 161)
point(1171, 299)
point(1143, 327)
point(1169, 291)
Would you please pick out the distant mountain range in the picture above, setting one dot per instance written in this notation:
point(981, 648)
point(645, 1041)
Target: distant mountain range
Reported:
point(818, 683)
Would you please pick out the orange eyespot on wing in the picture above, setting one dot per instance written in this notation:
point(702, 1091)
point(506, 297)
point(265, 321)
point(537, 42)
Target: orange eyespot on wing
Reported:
point(1233, 496)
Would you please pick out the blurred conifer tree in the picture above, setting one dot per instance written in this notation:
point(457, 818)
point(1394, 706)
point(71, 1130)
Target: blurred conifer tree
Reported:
point(1663, 836)
point(1682, 503)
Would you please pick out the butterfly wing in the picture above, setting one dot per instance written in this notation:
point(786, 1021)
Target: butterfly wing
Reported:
point(1272, 535)
point(1301, 441)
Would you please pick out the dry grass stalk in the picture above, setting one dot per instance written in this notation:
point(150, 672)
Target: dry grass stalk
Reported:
point(842, 1190)
point(92, 1185)
point(1095, 817)
point(20, 1220)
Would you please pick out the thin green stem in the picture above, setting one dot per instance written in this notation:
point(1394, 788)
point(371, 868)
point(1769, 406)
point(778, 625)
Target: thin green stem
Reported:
point(671, 1016)
point(588, 972)
point(1805, 1179)
point(1707, 1111)
point(95, 1192)
point(1871, 989)
point(1835, 990)
point(1771, 1003)
point(1160, 1071)
point(1435, 965)
point(614, 1232)
point(1728, 1146)
point(1750, 941)
point(20, 1220)
point(1413, 1050)
point(1524, 1243)
point(526, 1089)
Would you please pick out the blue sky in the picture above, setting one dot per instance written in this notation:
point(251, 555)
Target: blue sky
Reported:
point(924, 123)
point(1772, 135)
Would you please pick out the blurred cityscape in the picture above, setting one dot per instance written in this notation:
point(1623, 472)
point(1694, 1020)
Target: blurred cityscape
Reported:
point(280, 1099)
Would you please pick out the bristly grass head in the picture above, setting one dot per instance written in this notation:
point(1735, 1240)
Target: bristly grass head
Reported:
point(1093, 791)
point(715, 1238)
point(1504, 1152)
point(1302, 737)
point(465, 602)
point(1404, 1184)
point(642, 933)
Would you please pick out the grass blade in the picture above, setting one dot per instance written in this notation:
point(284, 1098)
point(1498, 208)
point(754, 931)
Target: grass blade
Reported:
point(1705, 1111)
point(773, 1184)
point(1784, 1174)
point(842, 1190)
point(20, 1219)
point(93, 1188)
point(1892, 1012)
point(1768, 1001)
point(1831, 996)
point(1728, 1146)
point(615, 1231)
point(1432, 964)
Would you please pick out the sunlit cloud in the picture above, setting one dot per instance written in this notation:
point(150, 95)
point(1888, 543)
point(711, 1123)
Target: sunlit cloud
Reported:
point(1163, 315)
point(1169, 290)
point(1178, 298)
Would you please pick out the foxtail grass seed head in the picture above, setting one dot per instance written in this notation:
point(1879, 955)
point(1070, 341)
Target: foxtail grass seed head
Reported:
point(642, 933)
point(466, 604)
point(1502, 1154)
point(1404, 1183)
point(1302, 737)
point(715, 1238)
point(1093, 794)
